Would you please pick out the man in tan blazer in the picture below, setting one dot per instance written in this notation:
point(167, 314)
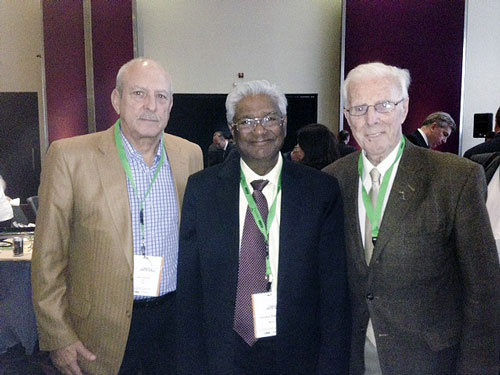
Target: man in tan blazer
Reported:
point(422, 265)
point(110, 201)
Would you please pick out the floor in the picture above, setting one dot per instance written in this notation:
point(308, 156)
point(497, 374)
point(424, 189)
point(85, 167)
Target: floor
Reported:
point(16, 362)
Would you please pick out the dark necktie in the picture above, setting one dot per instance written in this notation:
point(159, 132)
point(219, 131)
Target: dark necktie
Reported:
point(252, 267)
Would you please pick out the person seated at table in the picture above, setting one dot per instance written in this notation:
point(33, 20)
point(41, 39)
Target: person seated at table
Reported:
point(6, 212)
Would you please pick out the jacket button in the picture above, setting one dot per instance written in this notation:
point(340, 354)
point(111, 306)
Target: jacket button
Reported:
point(369, 296)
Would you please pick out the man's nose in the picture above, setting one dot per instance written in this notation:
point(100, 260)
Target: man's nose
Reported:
point(259, 128)
point(371, 116)
point(150, 102)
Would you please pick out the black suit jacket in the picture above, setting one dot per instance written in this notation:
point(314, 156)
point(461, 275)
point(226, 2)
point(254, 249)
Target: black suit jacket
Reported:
point(312, 321)
point(345, 149)
point(483, 148)
point(490, 162)
point(417, 139)
point(432, 287)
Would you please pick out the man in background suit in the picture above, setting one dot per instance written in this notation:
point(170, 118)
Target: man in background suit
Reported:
point(435, 130)
point(299, 252)
point(491, 146)
point(422, 264)
point(491, 164)
point(344, 147)
point(109, 202)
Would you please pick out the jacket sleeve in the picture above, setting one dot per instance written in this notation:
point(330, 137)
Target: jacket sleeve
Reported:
point(479, 271)
point(191, 351)
point(335, 312)
point(50, 253)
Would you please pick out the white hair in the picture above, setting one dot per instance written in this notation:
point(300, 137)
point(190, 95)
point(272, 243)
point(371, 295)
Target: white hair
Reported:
point(259, 87)
point(376, 70)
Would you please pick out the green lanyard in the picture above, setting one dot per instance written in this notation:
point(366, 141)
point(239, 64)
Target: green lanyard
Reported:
point(263, 227)
point(375, 214)
point(128, 172)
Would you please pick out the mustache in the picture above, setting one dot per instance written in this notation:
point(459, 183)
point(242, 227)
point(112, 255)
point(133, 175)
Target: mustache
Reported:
point(148, 116)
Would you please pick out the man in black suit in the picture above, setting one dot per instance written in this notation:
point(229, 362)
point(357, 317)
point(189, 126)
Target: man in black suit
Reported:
point(490, 146)
point(435, 130)
point(299, 248)
point(344, 147)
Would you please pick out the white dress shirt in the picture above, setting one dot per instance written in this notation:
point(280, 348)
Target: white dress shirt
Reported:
point(424, 136)
point(269, 192)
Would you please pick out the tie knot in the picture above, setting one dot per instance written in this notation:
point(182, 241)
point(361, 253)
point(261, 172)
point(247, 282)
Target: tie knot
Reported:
point(259, 184)
point(375, 175)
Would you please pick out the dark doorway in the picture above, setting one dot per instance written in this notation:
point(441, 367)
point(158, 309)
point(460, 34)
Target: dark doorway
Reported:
point(20, 143)
point(197, 116)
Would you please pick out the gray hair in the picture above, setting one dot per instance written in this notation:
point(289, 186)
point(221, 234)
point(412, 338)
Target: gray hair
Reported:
point(442, 119)
point(137, 60)
point(377, 70)
point(260, 87)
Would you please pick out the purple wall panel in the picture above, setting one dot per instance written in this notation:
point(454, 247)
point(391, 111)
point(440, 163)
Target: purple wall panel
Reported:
point(425, 37)
point(112, 46)
point(64, 69)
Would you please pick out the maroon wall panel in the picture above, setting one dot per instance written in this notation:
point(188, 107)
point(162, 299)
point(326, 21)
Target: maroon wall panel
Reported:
point(112, 46)
point(64, 69)
point(425, 37)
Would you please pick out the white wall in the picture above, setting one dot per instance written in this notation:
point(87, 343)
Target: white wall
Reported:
point(204, 44)
point(482, 65)
point(20, 43)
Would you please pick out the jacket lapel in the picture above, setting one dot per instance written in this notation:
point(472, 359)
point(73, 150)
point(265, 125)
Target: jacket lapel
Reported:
point(227, 202)
point(113, 181)
point(291, 198)
point(178, 165)
point(407, 187)
point(351, 210)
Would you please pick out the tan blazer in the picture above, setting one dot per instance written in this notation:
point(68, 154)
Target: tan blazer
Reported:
point(82, 267)
point(432, 287)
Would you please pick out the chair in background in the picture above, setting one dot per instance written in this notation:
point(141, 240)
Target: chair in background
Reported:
point(33, 202)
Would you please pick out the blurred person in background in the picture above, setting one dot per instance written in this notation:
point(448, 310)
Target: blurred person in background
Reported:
point(316, 146)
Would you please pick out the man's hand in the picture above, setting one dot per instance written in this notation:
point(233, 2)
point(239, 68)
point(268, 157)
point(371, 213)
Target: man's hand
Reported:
point(66, 359)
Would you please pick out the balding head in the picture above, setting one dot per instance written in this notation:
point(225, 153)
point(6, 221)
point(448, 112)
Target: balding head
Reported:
point(141, 61)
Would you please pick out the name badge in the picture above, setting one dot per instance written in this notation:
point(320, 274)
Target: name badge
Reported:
point(264, 314)
point(147, 275)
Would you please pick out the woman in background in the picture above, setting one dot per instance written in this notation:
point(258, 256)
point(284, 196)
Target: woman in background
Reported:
point(316, 146)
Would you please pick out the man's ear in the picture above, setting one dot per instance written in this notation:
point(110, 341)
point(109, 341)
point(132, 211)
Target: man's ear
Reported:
point(406, 106)
point(115, 100)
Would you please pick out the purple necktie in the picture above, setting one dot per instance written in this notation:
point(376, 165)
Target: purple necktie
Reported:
point(252, 268)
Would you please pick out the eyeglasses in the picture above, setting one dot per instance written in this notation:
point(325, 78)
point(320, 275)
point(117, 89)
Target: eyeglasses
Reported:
point(268, 121)
point(382, 107)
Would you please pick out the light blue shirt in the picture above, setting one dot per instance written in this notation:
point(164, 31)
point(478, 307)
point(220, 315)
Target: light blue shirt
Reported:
point(161, 213)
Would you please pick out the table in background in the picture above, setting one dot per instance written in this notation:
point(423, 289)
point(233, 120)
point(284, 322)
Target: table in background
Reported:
point(17, 318)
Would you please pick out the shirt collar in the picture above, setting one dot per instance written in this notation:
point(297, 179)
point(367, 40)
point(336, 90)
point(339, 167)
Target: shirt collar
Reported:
point(131, 152)
point(272, 176)
point(383, 166)
point(424, 136)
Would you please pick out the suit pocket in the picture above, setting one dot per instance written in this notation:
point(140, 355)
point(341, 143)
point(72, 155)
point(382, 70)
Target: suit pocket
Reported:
point(442, 339)
point(79, 307)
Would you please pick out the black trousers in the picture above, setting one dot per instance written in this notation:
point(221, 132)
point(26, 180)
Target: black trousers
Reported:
point(6, 223)
point(259, 359)
point(151, 342)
